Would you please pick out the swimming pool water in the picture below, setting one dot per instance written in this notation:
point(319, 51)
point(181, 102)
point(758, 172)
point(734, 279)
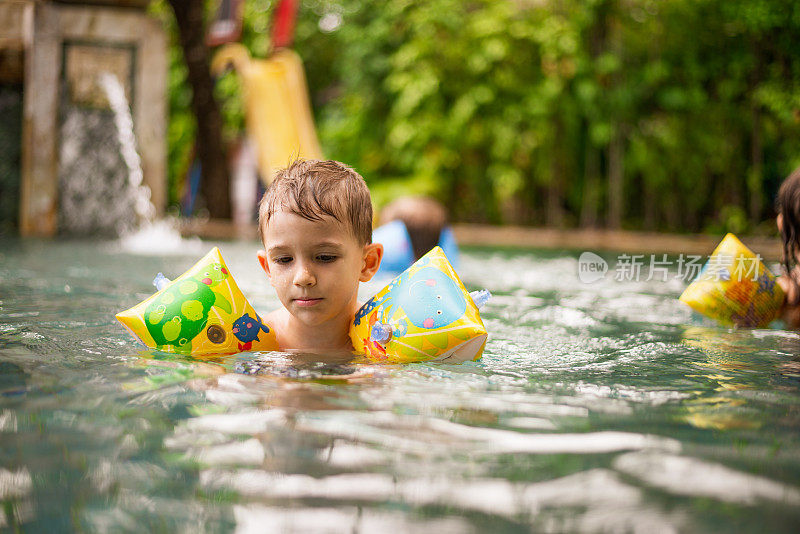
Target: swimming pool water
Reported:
point(602, 407)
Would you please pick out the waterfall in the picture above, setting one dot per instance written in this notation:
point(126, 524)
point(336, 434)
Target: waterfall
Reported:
point(123, 122)
point(149, 235)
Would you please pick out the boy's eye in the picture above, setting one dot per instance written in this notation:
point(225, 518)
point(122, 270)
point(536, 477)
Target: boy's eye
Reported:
point(326, 258)
point(283, 259)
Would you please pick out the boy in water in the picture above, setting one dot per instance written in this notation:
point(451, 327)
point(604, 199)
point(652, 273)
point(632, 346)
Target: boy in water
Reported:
point(315, 222)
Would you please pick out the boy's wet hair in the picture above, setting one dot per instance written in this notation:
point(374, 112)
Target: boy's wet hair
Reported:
point(788, 205)
point(314, 189)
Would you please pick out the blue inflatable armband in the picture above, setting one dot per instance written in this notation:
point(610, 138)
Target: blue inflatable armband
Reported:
point(447, 240)
point(398, 254)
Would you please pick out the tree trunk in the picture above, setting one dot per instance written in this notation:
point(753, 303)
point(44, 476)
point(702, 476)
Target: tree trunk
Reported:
point(649, 215)
point(616, 173)
point(672, 206)
point(755, 177)
point(591, 188)
point(554, 210)
point(616, 147)
point(215, 185)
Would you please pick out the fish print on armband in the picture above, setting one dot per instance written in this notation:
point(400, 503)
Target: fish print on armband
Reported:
point(428, 297)
point(246, 330)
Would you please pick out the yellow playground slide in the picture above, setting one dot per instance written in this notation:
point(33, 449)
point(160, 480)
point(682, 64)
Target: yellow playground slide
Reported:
point(277, 110)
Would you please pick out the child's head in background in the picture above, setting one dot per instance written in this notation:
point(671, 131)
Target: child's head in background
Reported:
point(315, 222)
point(788, 207)
point(424, 217)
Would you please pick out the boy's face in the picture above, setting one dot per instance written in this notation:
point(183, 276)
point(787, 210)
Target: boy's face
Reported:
point(315, 266)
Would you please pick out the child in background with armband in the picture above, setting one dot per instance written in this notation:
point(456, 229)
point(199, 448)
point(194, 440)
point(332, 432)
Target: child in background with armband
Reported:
point(424, 217)
point(788, 207)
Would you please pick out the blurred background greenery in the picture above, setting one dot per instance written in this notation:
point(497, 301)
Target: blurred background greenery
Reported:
point(667, 115)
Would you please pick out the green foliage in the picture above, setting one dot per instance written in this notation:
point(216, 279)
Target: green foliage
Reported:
point(506, 111)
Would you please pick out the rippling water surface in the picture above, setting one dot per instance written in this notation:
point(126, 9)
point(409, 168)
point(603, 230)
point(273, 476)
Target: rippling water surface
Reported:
point(599, 407)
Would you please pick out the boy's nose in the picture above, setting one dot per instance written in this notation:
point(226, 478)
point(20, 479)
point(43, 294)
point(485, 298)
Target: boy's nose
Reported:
point(304, 277)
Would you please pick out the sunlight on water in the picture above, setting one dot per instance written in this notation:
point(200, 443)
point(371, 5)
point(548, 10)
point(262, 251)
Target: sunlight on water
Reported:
point(599, 407)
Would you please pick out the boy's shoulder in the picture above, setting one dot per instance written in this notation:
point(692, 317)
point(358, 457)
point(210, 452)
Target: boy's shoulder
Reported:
point(276, 318)
point(277, 321)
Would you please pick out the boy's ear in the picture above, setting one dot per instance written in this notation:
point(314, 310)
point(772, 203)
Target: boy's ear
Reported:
point(373, 253)
point(262, 260)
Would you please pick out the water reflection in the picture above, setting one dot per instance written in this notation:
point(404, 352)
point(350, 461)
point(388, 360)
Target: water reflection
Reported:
point(733, 369)
point(596, 408)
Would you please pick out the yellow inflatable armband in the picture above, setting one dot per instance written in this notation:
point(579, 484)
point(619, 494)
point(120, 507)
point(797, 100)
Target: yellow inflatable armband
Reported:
point(200, 312)
point(735, 287)
point(423, 314)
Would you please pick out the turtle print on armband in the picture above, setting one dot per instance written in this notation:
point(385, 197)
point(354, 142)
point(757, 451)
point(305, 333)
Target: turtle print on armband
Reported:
point(180, 311)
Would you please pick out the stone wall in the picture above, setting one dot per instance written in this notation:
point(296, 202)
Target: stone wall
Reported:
point(94, 195)
point(71, 170)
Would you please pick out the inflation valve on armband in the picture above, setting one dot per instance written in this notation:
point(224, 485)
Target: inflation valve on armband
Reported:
point(161, 281)
point(380, 333)
point(480, 297)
